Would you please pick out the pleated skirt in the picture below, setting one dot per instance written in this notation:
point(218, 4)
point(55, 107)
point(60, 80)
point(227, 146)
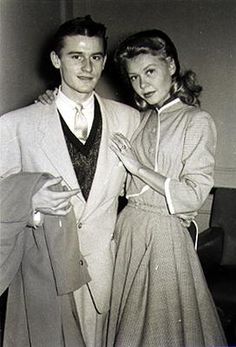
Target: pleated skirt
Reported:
point(160, 297)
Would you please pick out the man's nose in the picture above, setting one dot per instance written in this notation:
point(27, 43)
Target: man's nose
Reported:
point(87, 66)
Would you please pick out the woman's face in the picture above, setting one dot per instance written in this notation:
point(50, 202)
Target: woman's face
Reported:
point(150, 77)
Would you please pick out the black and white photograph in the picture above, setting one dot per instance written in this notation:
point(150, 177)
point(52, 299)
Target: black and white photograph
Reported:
point(117, 173)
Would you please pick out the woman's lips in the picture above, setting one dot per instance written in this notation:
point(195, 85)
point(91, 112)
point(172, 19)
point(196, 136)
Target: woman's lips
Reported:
point(148, 94)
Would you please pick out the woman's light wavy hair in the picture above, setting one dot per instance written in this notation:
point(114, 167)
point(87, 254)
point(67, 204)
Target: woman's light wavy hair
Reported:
point(156, 42)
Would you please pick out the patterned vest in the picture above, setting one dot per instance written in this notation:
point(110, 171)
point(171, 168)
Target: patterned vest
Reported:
point(84, 156)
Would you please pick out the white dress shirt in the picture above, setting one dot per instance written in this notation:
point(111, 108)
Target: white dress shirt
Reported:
point(67, 109)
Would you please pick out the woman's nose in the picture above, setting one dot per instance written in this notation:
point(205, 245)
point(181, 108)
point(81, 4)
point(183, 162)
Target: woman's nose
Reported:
point(142, 83)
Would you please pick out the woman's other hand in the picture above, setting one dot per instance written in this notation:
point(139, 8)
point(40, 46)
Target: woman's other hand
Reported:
point(187, 218)
point(48, 97)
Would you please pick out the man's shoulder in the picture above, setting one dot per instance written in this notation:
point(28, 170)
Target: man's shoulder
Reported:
point(27, 110)
point(120, 117)
point(27, 113)
point(117, 105)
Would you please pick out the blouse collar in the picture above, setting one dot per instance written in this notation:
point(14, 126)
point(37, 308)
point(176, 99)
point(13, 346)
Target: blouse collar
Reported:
point(168, 104)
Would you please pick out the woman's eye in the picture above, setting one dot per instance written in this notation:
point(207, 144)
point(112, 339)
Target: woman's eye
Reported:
point(149, 72)
point(133, 78)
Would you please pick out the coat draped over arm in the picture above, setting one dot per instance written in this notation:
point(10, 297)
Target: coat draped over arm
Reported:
point(40, 266)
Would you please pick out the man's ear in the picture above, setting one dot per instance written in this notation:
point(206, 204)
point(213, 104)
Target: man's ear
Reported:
point(104, 62)
point(56, 62)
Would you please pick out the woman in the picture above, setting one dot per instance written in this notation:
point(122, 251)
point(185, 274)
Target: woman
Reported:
point(160, 297)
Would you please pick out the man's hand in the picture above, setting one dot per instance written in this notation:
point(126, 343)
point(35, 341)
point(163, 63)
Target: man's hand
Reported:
point(48, 97)
point(51, 202)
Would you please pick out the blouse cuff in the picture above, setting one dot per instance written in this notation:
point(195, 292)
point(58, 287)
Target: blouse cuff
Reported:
point(37, 219)
point(168, 197)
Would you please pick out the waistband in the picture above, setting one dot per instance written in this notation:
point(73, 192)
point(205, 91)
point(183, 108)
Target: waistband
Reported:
point(147, 207)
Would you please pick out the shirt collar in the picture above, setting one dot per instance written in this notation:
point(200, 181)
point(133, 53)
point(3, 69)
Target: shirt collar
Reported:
point(62, 99)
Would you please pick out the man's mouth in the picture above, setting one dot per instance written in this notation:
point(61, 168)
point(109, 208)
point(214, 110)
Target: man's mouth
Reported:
point(85, 78)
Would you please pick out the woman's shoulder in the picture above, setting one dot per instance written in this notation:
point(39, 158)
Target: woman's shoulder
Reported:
point(200, 120)
point(196, 114)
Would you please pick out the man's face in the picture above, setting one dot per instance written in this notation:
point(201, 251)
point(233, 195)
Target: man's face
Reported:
point(81, 62)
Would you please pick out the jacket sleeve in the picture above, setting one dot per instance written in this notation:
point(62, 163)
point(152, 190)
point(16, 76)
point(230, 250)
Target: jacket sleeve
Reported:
point(15, 201)
point(10, 156)
point(188, 193)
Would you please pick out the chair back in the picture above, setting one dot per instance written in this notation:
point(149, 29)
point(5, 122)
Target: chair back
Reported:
point(224, 216)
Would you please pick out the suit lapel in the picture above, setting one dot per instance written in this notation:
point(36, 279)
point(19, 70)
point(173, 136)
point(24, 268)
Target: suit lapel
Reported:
point(107, 160)
point(53, 144)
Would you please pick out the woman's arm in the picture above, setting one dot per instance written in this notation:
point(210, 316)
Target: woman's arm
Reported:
point(187, 193)
point(123, 149)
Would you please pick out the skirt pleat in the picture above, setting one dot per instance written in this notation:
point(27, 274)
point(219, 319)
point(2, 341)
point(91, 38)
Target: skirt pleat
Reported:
point(160, 297)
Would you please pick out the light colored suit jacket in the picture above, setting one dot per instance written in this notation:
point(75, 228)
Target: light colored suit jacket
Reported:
point(32, 140)
point(40, 275)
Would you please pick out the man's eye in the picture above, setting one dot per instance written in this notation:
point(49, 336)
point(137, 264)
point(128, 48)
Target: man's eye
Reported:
point(77, 57)
point(97, 57)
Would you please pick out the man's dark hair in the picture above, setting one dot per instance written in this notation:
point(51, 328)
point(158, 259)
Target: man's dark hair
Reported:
point(79, 26)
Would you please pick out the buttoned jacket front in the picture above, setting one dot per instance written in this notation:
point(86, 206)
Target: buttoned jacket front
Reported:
point(32, 140)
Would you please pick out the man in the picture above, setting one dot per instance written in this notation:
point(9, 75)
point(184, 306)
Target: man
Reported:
point(69, 139)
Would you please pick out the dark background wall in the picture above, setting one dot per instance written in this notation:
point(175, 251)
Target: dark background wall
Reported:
point(203, 30)
point(25, 26)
